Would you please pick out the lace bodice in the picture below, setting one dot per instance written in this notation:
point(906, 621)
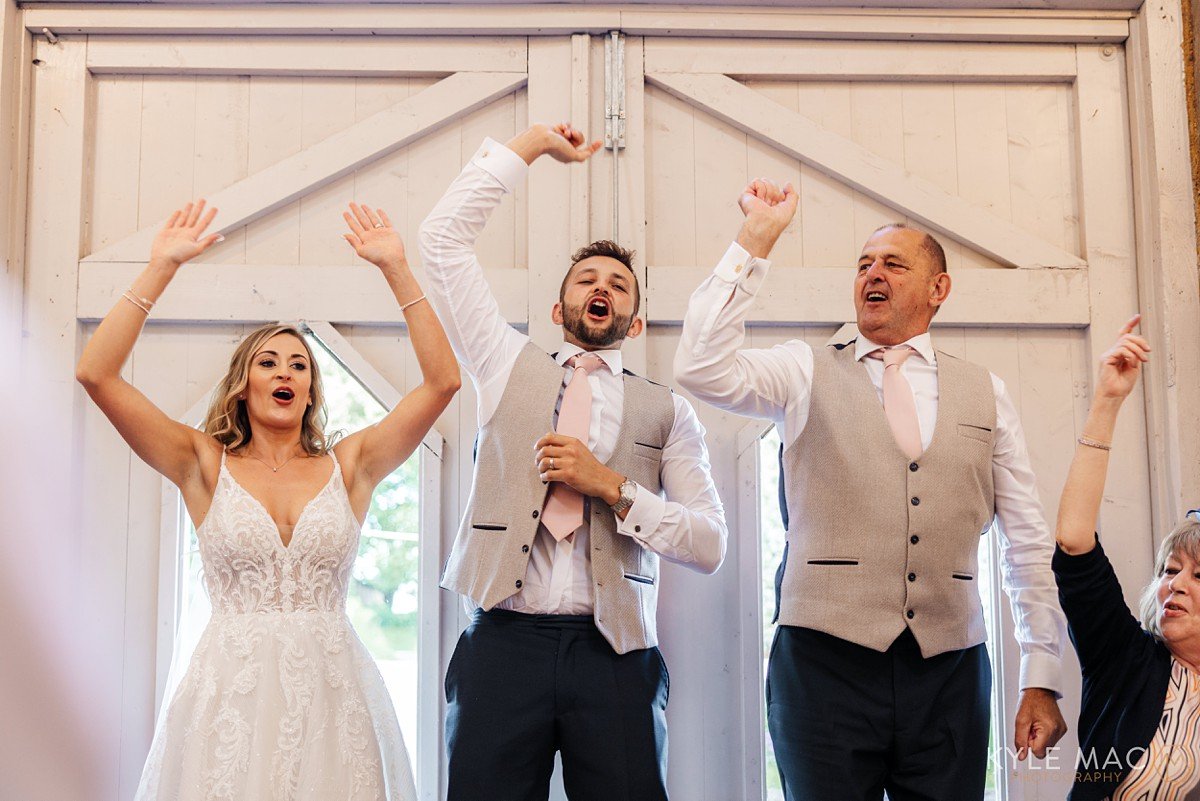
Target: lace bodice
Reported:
point(248, 569)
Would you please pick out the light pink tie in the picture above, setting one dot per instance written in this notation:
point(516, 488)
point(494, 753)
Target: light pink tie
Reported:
point(563, 512)
point(898, 403)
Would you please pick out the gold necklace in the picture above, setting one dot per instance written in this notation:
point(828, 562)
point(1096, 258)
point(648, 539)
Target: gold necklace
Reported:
point(268, 464)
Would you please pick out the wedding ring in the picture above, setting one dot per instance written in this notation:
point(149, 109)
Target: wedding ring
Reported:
point(380, 225)
point(551, 462)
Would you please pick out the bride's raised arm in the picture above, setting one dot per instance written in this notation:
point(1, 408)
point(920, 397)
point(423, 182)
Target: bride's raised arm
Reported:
point(170, 447)
point(369, 455)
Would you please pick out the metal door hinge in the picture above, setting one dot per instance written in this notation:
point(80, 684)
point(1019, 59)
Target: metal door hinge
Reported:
point(614, 91)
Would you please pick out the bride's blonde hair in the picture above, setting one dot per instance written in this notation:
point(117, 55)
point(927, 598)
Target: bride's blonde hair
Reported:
point(227, 420)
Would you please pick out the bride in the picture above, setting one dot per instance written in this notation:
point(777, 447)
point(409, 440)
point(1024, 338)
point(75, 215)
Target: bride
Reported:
point(281, 699)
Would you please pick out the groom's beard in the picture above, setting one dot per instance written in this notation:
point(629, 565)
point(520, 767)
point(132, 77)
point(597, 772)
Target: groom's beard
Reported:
point(613, 332)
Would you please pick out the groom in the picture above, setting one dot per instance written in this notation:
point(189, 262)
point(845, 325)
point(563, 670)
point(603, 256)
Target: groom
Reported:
point(558, 552)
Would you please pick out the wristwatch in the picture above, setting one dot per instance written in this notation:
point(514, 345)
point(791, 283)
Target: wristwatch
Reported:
point(628, 496)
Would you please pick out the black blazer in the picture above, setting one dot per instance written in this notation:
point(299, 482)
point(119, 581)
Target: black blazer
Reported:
point(1125, 672)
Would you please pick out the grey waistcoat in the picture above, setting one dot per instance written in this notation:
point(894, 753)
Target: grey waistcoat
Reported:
point(875, 541)
point(491, 553)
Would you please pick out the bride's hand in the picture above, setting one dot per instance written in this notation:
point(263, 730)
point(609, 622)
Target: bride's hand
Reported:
point(373, 237)
point(180, 240)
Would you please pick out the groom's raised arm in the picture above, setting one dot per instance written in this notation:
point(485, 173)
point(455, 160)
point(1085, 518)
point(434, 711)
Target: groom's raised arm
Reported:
point(486, 345)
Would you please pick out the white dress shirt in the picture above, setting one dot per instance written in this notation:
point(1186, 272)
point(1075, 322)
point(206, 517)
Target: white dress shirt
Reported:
point(776, 383)
point(688, 529)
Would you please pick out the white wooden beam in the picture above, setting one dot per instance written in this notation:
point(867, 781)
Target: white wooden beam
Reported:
point(863, 61)
point(356, 19)
point(631, 203)
point(433, 653)
point(743, 510)
point(1166, 255)
point(257, 195)
point(58, 165)
point(553, 195)
point(1107, 220)
point(558, 19)
point(824, 295)
point(895, 25)
point(847, 161)
point(259, 293)
point(305, 55)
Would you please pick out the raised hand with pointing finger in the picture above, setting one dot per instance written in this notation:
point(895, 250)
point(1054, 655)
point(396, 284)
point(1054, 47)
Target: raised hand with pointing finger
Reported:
point(1121, 364)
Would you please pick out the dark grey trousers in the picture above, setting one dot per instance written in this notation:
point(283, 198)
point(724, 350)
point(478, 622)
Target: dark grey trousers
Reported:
point(848, 723)
point(521, 687)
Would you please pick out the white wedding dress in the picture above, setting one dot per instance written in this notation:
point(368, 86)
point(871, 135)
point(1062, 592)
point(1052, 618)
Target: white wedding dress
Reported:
point(281, 699)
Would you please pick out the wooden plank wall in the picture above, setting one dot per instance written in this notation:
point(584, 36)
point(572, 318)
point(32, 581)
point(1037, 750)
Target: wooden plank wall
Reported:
point(1001, 146)
point(1024, 141)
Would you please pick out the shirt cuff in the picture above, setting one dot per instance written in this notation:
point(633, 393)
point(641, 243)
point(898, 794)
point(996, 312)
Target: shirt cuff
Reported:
point(644, 516)
point(737, 266)
point(1041, 670)
point(501, 163)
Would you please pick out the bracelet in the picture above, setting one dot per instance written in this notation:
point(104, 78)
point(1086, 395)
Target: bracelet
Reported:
point(132, 298)
point(412, 303)
point(149, 304)
point(1095, 443)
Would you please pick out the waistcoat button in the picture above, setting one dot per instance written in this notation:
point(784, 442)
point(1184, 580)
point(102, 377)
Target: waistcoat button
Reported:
point(914, 467)
point(912, 576)
point(535, 513)
point(914, 539)
point(910, 614)
point(916, 501)
point(524, 549)
point(519, 584)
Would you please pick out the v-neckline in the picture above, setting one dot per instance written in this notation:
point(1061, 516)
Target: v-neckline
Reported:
point(278, 538)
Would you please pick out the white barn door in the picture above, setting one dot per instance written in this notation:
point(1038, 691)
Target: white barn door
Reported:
point(1015, 154)
point(1017, 157)
point(280, 134)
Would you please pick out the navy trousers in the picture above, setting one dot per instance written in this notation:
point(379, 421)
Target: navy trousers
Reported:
point(522, 687)
point(848, 723)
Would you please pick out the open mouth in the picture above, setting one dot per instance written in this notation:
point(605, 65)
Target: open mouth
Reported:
point(598, 308)
point(283, 394)
point(876, 296)
point(1172, 609)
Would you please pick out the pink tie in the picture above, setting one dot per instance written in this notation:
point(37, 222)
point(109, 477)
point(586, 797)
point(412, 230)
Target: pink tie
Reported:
point(898, 403)
point(563, 512)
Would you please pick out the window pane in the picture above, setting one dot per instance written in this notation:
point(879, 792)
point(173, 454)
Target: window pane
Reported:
point(772, 537)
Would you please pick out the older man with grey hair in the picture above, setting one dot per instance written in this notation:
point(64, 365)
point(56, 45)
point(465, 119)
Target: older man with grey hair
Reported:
point(896, 457)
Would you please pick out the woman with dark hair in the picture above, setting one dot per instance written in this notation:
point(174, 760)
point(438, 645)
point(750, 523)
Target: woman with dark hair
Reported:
point(1139, 726)
point(281, 699)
